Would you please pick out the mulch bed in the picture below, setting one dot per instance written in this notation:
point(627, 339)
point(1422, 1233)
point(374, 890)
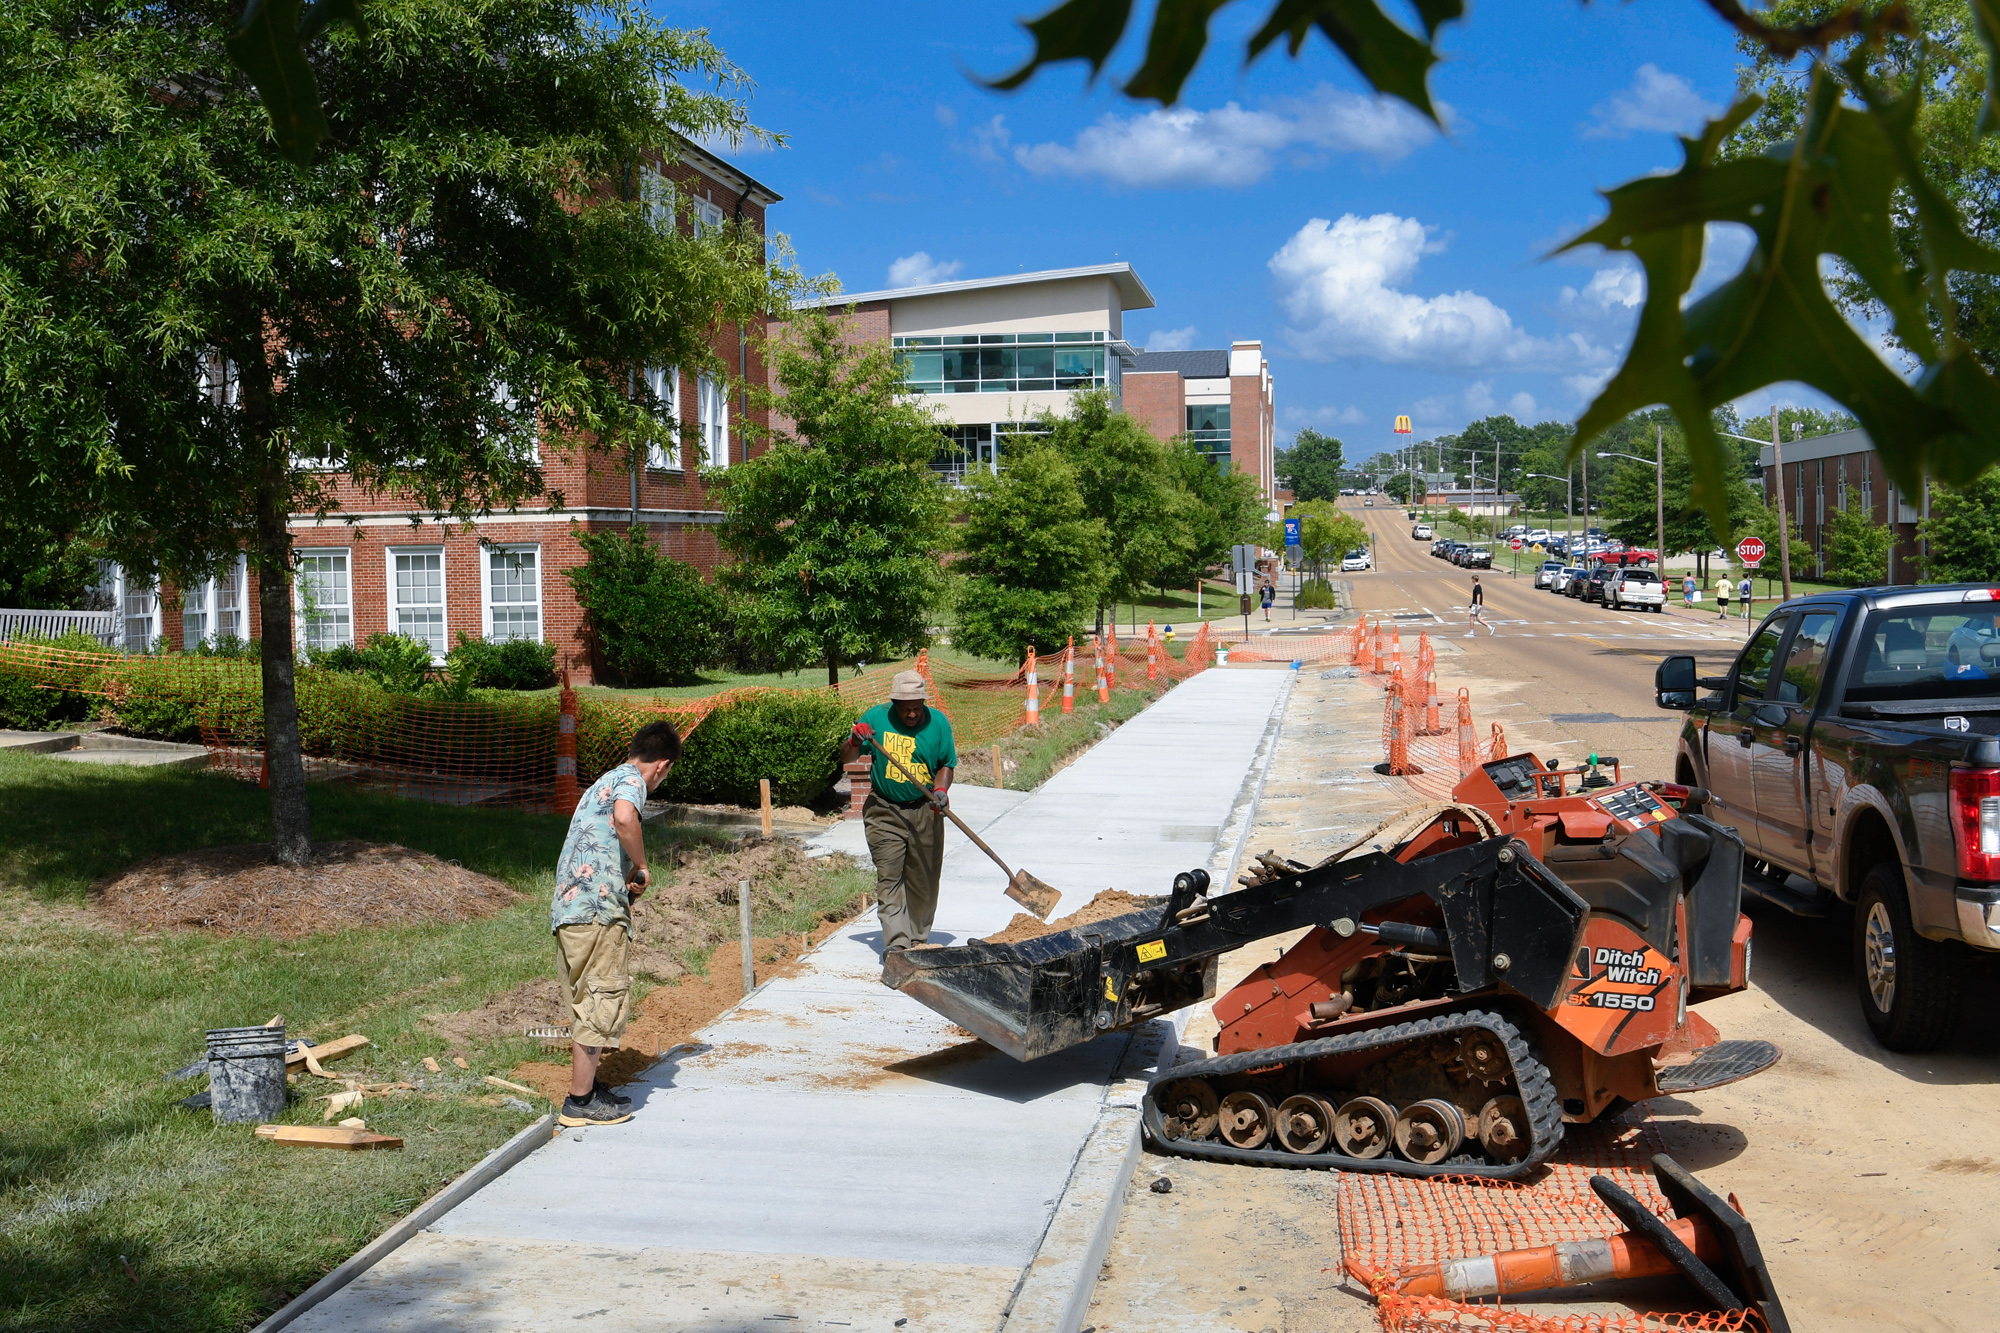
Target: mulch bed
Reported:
point(348, 884)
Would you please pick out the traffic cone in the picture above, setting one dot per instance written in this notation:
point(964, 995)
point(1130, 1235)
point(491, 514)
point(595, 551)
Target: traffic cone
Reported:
point(1069, 676)
point(1152, 652)
point(1103, 687)
point(1034, 701)
point(566, 793)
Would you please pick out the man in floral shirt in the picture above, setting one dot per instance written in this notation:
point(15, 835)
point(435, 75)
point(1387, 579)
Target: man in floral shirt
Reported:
point(601, 872)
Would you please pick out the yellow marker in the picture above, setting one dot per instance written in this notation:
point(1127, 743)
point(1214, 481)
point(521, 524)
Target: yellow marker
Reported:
point(1110, 992)
point(1153, 952)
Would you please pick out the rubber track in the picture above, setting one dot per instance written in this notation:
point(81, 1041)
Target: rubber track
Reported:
point(1531, 1079)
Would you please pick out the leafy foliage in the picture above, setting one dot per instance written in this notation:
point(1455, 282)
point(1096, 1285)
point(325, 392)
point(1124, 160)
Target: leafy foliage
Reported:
point(1034, 561)
point(45, 571)
point(788, 736)
point(655, 621)
point(1219, 508)
point(1127, 488)
point(511, 664)
point(837, 529)
point(1856, 548)
point(1326, 533)
point(1311, 468)
point(1962, 533)
point(397, 663)
point(1625, 492)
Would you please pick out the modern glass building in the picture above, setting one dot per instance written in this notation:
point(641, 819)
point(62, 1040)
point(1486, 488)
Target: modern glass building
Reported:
point(990, 355)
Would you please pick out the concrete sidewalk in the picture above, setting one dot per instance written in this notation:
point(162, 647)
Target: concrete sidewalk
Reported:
point(834, 1154)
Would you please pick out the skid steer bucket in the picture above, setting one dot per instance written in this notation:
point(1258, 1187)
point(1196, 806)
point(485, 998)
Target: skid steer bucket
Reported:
point(1037, 996)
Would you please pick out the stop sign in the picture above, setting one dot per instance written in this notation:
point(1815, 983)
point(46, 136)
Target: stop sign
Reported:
point(1750, 550)
point(1516, 543)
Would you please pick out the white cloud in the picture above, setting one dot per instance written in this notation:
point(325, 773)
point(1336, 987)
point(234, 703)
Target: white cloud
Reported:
point(1339, 283)
point(1522, 406)
point(920, 270)
point(1614, 288)
point(1656, 103)
point(945, 116)
point(1229, 146)
point(1171, 340)
point(990, 139)
point(1322, 417)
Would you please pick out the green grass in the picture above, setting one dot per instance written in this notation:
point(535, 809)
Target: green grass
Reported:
point(97, 1161)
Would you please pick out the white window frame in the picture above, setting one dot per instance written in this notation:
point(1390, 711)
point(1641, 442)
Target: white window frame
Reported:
point(509, 402)
point(712, 406)
point(708, 216)
point(656, 192)
point(443, 603)
point(209, 591)
point(665, 384)
point(301, 631)
point(121, 588)
point(486, 554)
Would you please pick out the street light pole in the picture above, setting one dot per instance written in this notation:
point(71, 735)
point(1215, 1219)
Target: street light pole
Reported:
point(1784, 528)
point(1660, 513)
point(1569, 495)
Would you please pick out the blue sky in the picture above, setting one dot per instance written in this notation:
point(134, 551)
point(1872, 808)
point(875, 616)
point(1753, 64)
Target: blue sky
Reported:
point(1388, 269)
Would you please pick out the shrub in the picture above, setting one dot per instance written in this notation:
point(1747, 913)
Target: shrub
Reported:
point(1316, 593)
point(340, 657)
point(397, 662)
point(25, 706)
point(230, 647)
point(149, 709)
point(787, 736)
point(654, 618)
point(512, 664)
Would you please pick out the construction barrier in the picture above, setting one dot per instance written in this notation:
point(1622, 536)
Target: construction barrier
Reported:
point(1069, 676)
point(1468, 744)
point(1031, 715)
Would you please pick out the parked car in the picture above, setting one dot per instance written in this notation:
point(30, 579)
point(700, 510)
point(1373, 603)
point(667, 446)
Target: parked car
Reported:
point(1476, 557)
point(1513, 531)
point(1567, 579)
point(1546, 576)
point(1641, 588)
point(1355, 560)
point(1593, 583)
point(1861, 765)
point(1439, 547)
point(1579, 581)
point(1458, 550)
point(1421, 532)
point(1537, 537)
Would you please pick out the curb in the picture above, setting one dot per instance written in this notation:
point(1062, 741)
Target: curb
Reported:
point(488, 1169)
point(1055, 1292)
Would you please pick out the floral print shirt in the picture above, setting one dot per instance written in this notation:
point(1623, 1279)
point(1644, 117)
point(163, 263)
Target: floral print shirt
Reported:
point(590, 876)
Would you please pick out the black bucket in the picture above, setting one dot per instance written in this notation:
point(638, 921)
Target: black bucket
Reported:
point(246, 1074)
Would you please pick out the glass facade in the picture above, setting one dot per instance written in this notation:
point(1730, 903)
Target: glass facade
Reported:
point(1208, 428)
point(1006, 362)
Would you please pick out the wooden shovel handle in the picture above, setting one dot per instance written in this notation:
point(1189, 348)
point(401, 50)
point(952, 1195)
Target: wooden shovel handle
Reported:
point(944, 810)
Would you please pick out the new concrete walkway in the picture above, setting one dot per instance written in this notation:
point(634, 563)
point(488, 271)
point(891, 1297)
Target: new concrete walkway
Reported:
point(836, 1155)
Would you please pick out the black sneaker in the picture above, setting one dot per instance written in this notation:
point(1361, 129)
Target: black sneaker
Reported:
point(592, 1110)
point(605, 1094)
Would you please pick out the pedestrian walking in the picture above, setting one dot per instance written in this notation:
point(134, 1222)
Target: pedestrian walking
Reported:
point(905, 831)
point(1744, 588)
point(1687, 590)
point(1269, 595)
point(1478, 610)
point(1722, 590)
point(600, 874)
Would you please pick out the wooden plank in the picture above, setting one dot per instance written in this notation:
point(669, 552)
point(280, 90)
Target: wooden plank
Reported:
point(512, 1087)
point(327, 1050)
point(316, 1136)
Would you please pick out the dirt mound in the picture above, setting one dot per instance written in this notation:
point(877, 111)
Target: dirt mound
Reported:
point(683, 914)
point(242, 891)
point(1110, 903)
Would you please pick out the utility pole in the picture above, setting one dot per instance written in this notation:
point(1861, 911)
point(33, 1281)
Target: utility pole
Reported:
point(1496, 487)
point(1784, 526)
point(1660, 499)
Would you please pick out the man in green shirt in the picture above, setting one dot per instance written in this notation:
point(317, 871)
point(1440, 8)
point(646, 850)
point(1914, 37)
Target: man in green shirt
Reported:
point(905, 832)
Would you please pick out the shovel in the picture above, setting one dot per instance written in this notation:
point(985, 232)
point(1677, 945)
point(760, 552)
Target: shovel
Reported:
point(1040, 899)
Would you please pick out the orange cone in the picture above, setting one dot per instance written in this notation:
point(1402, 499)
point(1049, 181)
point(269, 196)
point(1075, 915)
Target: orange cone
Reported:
point(1069, 676)
point(1034, 701)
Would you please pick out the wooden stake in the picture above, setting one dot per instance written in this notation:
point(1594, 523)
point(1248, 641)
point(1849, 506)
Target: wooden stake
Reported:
point(743, 926)
point(764, 803)
point(999, 772)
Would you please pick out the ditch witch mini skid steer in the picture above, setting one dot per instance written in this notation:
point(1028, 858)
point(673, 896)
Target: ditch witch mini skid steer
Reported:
point(1477, 974)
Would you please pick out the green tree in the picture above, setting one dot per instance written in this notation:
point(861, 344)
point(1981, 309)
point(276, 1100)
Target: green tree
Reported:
point(1221, 507)
point(1126, 486)
point(1962, 534)
point(1033, 558)
point(838, 528)
point(654, 620)
point(1326, 533)
point(1311, 468)
point(1402, 488)
point(1856, 548)
point(450, 293)
point(45, 571)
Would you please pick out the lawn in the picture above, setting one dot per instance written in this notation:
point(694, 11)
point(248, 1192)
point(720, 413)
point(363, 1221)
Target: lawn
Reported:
point(118, 1209)
point(714, 682)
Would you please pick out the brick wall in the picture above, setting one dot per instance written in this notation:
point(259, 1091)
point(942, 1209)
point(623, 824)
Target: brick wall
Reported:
point(1249, 438)
point(867, 322)
point(1158, 400)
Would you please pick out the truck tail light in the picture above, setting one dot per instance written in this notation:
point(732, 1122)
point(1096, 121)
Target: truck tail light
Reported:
point(1975, 826)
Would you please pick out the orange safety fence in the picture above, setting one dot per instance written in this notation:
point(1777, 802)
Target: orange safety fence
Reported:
point(1390, 1226)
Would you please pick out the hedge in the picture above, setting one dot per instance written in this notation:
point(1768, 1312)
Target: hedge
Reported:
point(789, 737)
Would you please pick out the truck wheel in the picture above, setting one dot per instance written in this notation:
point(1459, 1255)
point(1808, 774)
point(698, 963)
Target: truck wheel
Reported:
point(1911, 988)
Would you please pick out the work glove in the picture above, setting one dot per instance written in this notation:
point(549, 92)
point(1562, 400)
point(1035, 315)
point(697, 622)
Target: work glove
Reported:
point(863, 733)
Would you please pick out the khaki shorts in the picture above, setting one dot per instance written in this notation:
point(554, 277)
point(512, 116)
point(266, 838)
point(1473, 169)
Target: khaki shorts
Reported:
point(591, 971)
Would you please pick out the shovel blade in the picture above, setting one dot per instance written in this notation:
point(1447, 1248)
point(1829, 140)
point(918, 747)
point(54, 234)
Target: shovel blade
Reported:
point(1040, 899)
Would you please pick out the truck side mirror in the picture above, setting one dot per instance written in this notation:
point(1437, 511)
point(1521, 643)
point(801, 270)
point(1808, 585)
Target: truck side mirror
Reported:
point(1674, 682)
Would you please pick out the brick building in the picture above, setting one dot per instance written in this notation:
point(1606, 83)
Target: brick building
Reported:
point(1823, 476)
point(1223, 401)
point(372, 565)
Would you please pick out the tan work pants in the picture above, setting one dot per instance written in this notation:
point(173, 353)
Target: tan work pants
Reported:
point(908, 847)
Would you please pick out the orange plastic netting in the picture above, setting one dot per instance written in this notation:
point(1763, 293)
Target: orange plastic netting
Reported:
point(1391, 1225)
point(528, 751)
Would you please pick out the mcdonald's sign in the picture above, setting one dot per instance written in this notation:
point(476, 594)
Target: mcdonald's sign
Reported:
point(1402, 425)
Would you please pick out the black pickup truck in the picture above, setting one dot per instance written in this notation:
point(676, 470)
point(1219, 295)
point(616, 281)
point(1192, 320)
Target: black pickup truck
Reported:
point(1855, 745)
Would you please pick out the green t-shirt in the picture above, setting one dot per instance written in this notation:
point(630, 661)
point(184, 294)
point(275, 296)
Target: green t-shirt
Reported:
point(923, 752)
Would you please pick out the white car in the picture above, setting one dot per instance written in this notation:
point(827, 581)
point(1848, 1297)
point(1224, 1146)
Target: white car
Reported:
point(1545, 577)
point(1368, 503)
point(1536, 536)
point(1355, 560)
point(1640, 588)
point(1422, 532)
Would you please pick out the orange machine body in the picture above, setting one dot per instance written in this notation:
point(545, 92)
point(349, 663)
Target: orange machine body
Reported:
point(1623, 1014)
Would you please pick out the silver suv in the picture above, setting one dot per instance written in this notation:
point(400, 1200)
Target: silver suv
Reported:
point(1641, 588)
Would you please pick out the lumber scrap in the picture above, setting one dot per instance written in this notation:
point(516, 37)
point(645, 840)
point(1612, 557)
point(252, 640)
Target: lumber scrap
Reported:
point(317, 1136)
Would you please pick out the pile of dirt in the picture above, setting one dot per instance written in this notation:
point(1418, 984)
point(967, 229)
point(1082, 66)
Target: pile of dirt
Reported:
point(1110, 903)
point(531, 1004)
point(242, 891)
point(694, 907)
